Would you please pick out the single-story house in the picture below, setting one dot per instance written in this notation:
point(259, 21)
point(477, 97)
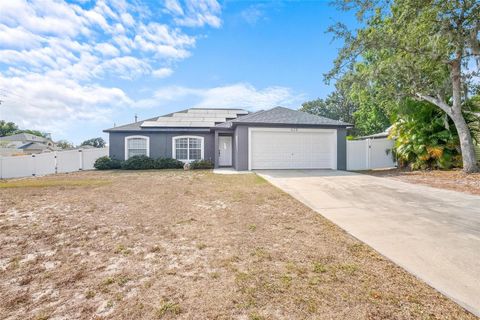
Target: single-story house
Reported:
point(24, 144)
point(279, 138)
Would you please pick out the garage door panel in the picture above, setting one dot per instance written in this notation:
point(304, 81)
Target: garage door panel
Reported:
point(292, 149)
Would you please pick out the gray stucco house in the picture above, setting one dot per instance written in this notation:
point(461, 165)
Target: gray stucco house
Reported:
point(279, 138)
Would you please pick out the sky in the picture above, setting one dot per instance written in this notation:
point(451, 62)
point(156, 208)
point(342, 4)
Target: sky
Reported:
point(75, 68)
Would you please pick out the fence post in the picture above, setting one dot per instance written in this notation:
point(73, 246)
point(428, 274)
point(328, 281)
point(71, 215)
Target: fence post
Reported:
point(347, 152)
point(34, 165)
point(56, 162)
point(369, 154)
point(81, 159)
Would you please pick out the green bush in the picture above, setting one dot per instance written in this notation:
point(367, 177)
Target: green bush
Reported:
point(138, 163)
point(201, 164)
point(168, 163)
point(106, 163)
point(425, 138)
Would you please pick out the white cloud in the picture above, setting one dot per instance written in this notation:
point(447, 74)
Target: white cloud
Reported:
point(127, 19)
point(195, 13)
point(44, 17)
point(56, 56)
point(174, 7)
point(162, 72)
point(39, 27)
point(18, 38)
point(107, 49)
point(163, 41)
point(41, 102)
point(125, 67)
point(240, 95)
point(253, 14)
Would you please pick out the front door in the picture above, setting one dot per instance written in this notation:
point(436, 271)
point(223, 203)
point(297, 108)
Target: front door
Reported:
point(225, 151)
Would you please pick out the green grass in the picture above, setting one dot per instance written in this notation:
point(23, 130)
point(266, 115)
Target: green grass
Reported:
point(319, 267)
point(89, 294)
point(119, 279)
point(259, 180)
point(201, 246)
point(121, 249)
point(255, 316)
point(169, 307)
point(45, 183)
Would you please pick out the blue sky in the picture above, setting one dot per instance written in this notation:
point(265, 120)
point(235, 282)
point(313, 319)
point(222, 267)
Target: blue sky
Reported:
point(75, 68)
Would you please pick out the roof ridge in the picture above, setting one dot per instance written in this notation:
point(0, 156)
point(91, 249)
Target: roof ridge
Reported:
point(249, 115)
point(318, 116)
point(216, 108)
point(285, 115)
point(129, 124)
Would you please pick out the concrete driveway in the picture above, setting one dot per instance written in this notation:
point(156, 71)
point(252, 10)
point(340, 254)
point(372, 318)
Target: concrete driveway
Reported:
point(432, 233)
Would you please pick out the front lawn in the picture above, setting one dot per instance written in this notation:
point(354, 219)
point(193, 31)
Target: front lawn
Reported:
point(190, 245)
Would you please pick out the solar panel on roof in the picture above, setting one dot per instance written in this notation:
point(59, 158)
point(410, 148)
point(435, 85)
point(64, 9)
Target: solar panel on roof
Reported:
point(209, 115)
point(178, 119)
point(152, 124)
point(195, 118)
point(223, 111)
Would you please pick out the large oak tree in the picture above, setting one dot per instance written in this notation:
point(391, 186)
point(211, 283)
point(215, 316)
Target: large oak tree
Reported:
point(428, 50)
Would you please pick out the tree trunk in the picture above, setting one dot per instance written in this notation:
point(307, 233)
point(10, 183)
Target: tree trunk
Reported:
point(464, 135)
point(466, 143)
point(455, 113)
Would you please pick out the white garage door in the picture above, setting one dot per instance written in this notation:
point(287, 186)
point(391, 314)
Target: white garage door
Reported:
point(274, 148)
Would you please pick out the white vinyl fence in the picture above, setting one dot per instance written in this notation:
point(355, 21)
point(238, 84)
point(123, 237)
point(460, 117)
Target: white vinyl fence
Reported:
point(370, 154)
point(48, 163)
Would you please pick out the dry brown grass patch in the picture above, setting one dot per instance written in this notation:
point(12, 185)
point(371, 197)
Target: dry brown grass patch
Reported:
point(50, 182)
point(189, 245)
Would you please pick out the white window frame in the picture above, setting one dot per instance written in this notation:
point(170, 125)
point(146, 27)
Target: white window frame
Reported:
point(174, 150)
point(136, 137)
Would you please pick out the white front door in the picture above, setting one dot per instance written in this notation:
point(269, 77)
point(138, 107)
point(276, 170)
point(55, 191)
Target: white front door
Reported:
point(225, 151)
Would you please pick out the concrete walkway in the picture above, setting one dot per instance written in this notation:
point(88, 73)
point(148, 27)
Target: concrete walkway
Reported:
point(432, 233)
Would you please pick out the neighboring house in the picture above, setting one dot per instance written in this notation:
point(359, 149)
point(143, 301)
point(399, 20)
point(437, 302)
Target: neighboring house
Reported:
point(278, 138)
point(382, 135)
point(25, 143)
point(85, 146)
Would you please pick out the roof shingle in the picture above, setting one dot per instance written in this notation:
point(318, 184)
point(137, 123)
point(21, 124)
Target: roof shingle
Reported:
point(281, 115)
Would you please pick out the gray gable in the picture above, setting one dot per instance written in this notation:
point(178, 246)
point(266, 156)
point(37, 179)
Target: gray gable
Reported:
point(33, 146)
point(281, 115)
point(130, 127)
point(229, 123)
point(23, 137)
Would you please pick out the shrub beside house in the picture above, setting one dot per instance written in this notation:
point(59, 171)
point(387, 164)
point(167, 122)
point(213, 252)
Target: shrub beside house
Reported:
point(146, 163)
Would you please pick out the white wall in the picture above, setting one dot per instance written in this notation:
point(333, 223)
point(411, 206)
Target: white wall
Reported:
point(90, 155)
point(381, 153)
point(69, 161)
point(357, 155)
point(44, 163)
point(49, 163)
point(370, 154)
